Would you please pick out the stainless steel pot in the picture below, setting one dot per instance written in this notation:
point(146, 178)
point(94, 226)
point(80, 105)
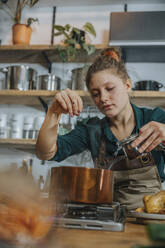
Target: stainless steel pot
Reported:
point(148, 85)
point(20, 77)
point(48, 82)
point(78, 78)
point(2, 81)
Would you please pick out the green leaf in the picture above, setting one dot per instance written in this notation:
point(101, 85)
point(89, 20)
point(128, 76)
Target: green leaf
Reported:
point(59, 28)
point(33, 2)
point(76, 30)
point(72, 42)
point(68, 52)
point(89, 48)
point(30, 20)
point(63, 55)
point(58, 33)
point(66, 35)
point(67, 27)
point(71, 53)
point(59, 47)
point(88, 27)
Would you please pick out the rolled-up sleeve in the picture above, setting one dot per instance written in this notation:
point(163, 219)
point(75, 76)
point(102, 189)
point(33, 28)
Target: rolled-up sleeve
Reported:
point(74, 142)
point(158, 114)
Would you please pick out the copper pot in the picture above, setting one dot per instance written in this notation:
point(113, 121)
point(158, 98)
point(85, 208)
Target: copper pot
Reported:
point(81, 184)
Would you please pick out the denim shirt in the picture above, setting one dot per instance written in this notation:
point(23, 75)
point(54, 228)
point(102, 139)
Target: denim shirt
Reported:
point(88, 136)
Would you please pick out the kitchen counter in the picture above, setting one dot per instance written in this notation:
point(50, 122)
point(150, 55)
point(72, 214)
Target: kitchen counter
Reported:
point(76, 238)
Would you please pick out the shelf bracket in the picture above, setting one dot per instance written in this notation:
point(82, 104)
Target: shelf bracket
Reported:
point(43, 103)
point(48, 61)
point(125, 7)
point(123, 55)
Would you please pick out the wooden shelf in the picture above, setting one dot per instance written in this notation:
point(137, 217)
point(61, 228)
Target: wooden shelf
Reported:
point(36, 54)
point(30, 98)
point(65, 3)
point(20, 144)
point(148, 98)
point(141, 98)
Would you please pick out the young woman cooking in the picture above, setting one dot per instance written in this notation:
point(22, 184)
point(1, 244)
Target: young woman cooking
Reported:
point(108, 83)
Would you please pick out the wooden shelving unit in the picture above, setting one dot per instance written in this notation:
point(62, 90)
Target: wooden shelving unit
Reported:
point(42, 53)
point(21, 144)
point(30, 98)
point(58, 3)
point(36, 54)
point(141, 98)
point(148, 98)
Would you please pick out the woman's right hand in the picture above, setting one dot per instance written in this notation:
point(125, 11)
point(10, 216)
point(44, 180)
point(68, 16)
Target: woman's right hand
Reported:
point(67, 101)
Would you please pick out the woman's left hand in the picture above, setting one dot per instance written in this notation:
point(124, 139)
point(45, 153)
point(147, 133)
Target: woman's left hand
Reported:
point(150, 135)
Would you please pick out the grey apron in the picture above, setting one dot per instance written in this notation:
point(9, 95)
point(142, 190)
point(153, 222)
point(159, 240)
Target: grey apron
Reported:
point(132, 178)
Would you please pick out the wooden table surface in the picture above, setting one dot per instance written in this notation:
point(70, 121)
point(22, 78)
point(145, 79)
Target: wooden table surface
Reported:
point(76, 238)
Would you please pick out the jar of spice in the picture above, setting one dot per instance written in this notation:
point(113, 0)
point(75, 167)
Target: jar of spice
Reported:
point(133, 152)
point(130, 152)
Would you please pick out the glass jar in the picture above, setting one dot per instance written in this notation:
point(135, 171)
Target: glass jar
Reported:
point(130, 152)
point(133, 152)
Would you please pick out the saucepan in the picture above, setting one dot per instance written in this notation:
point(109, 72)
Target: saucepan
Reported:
point(81, 184)
point(20, 77)
point(78, 78)
point(49, 82)
point(2, 81)
point(148, 85)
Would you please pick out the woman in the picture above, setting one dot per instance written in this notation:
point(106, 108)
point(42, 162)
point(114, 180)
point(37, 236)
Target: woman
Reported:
point(109, 85)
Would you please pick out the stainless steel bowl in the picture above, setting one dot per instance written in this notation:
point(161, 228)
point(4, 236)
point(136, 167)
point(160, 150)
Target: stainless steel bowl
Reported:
point(48, 82)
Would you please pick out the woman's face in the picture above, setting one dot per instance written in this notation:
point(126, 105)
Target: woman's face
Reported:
point(109, 92)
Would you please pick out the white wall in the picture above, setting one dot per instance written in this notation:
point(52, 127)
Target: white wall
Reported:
point(100, 17)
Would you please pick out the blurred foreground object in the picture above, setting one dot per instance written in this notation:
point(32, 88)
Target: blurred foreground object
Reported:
point(25, 217)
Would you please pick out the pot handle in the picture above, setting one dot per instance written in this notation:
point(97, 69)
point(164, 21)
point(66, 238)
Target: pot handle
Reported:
point(3, 70)
point(160, 85)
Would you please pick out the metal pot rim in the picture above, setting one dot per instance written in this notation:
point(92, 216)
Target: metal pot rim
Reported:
point(27, 67)
point(79, 69)
point(80, 167)
point(49, 75)
point(149, 81)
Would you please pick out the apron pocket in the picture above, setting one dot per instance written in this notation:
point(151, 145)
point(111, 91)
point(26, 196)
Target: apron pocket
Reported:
point(132, 185)
point(143, 186)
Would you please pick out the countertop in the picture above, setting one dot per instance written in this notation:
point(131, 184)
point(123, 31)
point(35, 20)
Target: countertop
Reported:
point(76, 238)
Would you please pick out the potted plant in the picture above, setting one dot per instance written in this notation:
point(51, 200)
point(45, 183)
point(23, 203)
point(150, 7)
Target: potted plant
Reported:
point(21, 32)
point(74, 39)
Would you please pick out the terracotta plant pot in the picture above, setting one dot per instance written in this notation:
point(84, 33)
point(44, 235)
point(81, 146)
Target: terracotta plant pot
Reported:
point(21, 34)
